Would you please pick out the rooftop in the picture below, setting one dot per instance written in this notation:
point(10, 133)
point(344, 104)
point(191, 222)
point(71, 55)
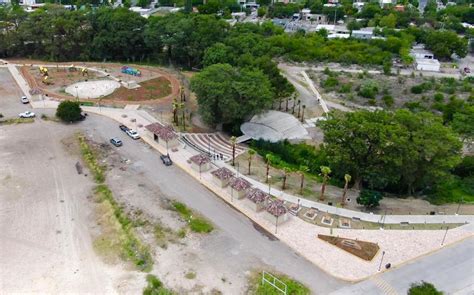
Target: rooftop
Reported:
point(223, 173)
point(165, 133)
point(239, 184)
point(257, 196)
point(276, 208)
point(199, 159)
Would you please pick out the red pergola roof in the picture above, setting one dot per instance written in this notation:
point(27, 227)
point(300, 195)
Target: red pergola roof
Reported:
point(239, 184)
point(165, 133)
point(223, 173)
point(200, 159)
point(257, 196)
point(276, 208)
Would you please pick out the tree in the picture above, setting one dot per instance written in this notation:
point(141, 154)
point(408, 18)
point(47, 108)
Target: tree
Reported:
point(251, 153)
point(389, 21)
point(228, 95)
point(444, 43)
point(233, 141)
point(270, 158)
point(401, 151)
point(423, 288)
point(463, 123)
point(69, 111)
point(303, 169)
point(286, 171)
point(369, 198)
point(347, 179)
point(325, 171)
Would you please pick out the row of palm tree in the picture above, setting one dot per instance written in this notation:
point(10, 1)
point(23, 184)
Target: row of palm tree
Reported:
point(302, 171)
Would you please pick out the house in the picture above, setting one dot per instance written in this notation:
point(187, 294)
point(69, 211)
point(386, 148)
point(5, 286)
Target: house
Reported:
point(238, 187)
point(163, 135)
point(429, 65)
point(200, 163)
point(399, 7)
point(386, 3)
point(222, 176)
point(424, 59)
point(276, 212)
point(363, 34)
point(358, 5)
point(256, 199)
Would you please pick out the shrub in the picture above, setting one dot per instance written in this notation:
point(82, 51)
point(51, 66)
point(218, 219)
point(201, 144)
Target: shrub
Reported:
point(438, 97)
point(388, 100)
point(418, 89)
point(196, 223)
point(330, 82)
point(369, 198)
point(423, 288)
point(368, 90)
point(346, 88)
point(69, 111)
point(155, 287)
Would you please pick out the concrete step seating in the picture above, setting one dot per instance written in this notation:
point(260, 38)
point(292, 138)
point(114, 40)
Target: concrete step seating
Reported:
point(216, 143)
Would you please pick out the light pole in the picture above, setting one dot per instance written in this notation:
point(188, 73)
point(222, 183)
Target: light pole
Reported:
point(276, 224)
point(381, 260)
point(269, 184)
point(445, 233)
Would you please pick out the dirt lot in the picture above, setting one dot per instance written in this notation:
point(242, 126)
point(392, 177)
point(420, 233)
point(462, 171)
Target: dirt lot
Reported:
point(46, 221)
point(333, 194)
point(150, 90)
point(389, 91)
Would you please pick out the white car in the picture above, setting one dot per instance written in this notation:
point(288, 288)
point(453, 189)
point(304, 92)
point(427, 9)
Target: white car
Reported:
point(24, 100)
point(27, 114)
point(133, 134)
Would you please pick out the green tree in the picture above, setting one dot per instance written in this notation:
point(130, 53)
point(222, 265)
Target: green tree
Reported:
point(302, 170)
point(401, 151)
point(369, 198)
point(463, 123)
point(69, 111)
point(228, 95)
point(251, 153)
point(388, 21)
point(325, 171)
point(423, 288)
point(286, 172)
point(445, 43)
point(347, 179)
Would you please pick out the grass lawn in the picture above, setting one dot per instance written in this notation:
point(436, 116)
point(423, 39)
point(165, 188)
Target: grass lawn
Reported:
point(196, 223)
point(293, 287)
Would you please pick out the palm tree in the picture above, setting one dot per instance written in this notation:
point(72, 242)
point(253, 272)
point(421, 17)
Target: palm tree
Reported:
point(233, 140)
point(325, 171)
point(269, 158)
point(286, 171)
point(299, 108)
point(251, 154)
point(303, 169)
point(347, 178)
point(302, 114)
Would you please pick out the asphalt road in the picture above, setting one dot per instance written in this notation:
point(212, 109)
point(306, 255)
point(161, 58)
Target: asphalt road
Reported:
point(451, 270)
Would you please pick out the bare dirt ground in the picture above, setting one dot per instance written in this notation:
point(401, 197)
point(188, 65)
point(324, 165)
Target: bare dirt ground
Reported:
point(47, 222)
point(186, 264)
point(388, 205)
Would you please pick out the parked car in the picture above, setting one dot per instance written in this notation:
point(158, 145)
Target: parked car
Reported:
point(24, 100)
point(467, 70)
point(83, 116)
point(132, 133)
point(27, 114)
point(124, 128)
point(166, 160)
point(116, 141)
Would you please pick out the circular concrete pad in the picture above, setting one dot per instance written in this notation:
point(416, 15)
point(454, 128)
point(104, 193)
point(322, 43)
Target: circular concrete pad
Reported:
point(92, 89)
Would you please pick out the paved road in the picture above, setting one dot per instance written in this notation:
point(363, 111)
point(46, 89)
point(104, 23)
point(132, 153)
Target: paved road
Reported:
point(246, 242)
point(450, 270)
